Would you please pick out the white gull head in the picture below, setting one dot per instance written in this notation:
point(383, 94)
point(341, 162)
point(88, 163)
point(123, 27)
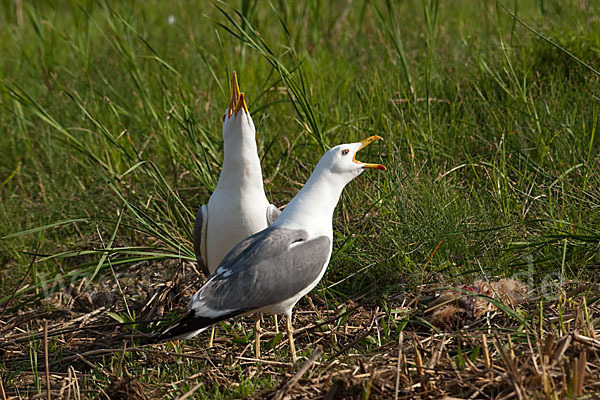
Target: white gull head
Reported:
point(237, 122)
point(241, 164)
point(312, 208)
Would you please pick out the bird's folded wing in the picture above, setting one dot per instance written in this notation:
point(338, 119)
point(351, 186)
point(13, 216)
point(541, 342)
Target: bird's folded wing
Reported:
point(200, 231)
point(269, 267)
point(272, 213)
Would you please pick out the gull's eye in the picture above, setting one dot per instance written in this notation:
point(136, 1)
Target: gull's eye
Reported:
point(345, 151)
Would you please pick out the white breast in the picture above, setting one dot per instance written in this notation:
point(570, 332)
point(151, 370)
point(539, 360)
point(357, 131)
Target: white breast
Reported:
point(232, 217)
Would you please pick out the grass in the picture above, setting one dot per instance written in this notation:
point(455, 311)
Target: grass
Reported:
point(111, 140)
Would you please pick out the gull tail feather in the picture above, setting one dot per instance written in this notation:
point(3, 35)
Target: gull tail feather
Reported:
point(188, 326)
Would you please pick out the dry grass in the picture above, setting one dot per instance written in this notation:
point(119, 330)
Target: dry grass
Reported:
point(361, 349)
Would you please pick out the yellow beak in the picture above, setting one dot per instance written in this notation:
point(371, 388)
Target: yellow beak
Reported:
point(365, 143)
point(238, 100)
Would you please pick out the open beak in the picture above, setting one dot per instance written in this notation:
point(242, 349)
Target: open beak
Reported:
point(238, 100)
point(365, 143)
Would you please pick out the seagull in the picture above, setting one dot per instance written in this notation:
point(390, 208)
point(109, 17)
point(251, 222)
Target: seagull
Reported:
point(271, 270)
point(238, 207)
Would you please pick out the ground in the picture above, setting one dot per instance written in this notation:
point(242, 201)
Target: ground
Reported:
point(360, 348)
point(468, 269)
point(491, 355)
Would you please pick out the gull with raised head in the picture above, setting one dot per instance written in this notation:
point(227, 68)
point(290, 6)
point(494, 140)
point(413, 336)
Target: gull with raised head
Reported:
point(238, 207)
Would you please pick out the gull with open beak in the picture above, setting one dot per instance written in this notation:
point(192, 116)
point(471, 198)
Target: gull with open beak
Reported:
point(238, 207)
point(271, 270)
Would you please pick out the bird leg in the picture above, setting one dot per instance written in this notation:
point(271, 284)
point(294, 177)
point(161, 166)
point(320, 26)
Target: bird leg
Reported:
point(257, 332)
point(290, 333)
point(276, 323)
point(212, 335)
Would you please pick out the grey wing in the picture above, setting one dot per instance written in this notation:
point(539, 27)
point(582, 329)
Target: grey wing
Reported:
point(200, 232)
point(275, 265)
point(272, 213)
